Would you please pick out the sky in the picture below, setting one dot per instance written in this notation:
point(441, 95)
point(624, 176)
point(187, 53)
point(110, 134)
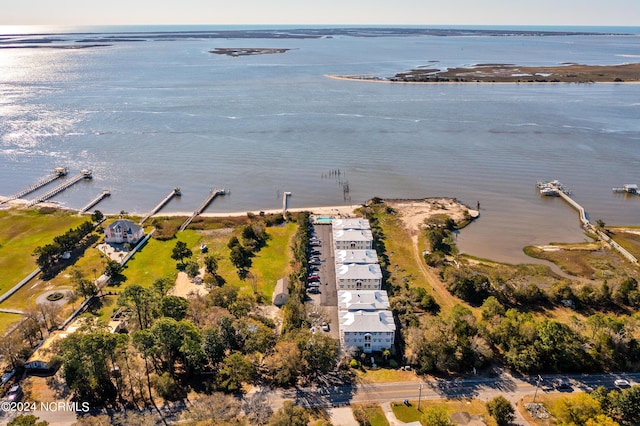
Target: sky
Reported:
point(331, 12)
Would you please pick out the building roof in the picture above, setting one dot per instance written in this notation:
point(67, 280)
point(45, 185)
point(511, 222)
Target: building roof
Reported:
point(356, 223)
point(358, 272)
point(356, 256)
point(126, 225)
point(366, 322)
point(352, 235)
point(365, 300)
point(282, 286)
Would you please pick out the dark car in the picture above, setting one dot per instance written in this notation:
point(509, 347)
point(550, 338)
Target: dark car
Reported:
point(316, 253)
point(562, 384)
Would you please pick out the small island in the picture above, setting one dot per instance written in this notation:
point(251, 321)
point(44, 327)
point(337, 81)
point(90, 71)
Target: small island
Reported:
point(510, 73)
point(246, 51)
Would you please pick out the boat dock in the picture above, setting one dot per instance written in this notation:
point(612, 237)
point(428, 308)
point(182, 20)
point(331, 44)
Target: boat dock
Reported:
point(212, 195)
point(587, 226)
point(105, 193)
point(58, 173)
point(84, 174)
point(629, 188)
point(156, 209)
point(552, 188)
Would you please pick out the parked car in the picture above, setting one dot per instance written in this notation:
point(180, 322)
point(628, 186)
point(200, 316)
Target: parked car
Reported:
point(313, 278)
point(316, 244)
point(15, 393)
point(622, 383)
point(325, 326)
point(316, 252)
point(7, 376)
point(562, 384)
point(313, 290)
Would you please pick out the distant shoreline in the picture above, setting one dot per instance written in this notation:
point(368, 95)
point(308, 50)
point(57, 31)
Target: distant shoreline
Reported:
point(510, 74)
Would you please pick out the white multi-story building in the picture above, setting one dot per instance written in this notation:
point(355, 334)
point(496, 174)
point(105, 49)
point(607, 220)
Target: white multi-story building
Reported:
point(369, 331)
point(352, 239)
point(363, 300)
point(355, 223)
point(358, 277)
point(356, 256)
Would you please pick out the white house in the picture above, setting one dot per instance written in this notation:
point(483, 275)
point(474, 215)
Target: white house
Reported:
point(369, 331)
point(281, 292)
point(123, 231)
point(363, 300)
point(356, 256)
point(355, 223)
point(358, 277)
point(352, 239)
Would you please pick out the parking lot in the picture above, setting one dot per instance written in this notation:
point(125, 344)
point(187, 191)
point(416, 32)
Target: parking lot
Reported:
point(325, 303)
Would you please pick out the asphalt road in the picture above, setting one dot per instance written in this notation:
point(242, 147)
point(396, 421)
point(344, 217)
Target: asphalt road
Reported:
point(336, 394)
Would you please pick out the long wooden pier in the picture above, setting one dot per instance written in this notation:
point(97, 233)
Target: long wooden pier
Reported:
point(212, 195)
point(156, 209)
point(586, 224)
point(58, 173)
point(103, 194)
point(85, 174)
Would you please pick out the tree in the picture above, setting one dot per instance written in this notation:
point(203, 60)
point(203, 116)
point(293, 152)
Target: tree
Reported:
point(112, 268)
point(257, 409)
point(97, 216)
point(235, 370)
point(87, 362)
point(290, 415)
point(169, 340)
point(27, 420)
point(192, 269)
point(501, 410)
point(284, 364)
point(217, 408)
point(213, 345)
point(577, 409)
point(436, 416)
point(181, 251)
point(142, 301)
point(83, 286)
point(241, 259)
point(211, 265)
point(601, 420)
point(174, 307)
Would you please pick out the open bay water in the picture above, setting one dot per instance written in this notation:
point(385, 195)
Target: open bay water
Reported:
point(148, 116)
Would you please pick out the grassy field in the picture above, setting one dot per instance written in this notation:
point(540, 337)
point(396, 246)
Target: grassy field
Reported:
point(21, 231)
point(471, 406)
point(385, 375)
point(154, 261)
point(6, 320)
point(274, 260)
point(373, 413)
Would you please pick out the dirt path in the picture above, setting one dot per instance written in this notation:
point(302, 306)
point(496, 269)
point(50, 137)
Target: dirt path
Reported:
point(445, 299)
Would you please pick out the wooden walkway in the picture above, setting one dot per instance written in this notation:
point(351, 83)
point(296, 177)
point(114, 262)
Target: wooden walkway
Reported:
point(156, 209)
point(212, 195)
point(85, 174)
point(586, 224)
point(59, 172)
point(105, 193)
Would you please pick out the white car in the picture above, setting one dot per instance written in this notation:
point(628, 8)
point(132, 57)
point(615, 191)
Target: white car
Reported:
point(622, 383)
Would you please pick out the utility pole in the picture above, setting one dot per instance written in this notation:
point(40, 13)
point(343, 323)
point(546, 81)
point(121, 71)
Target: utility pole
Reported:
point(538, 380)
point(419, 395)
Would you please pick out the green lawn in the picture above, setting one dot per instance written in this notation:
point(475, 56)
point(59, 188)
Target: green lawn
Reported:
point(21, 231)
point(372, 413)
point(273, 261)
point(154, 261)
point(471, 406)
point(6, 320)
